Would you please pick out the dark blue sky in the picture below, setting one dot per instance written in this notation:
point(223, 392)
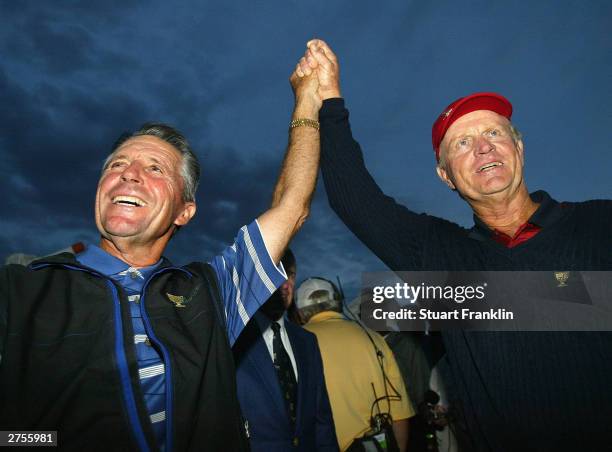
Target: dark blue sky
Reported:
point(74, 75)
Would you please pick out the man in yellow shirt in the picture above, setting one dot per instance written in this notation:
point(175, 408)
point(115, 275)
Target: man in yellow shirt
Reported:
point(362, 377)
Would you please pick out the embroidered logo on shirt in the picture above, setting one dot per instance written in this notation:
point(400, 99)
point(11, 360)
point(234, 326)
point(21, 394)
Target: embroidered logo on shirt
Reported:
point(177, 300)
point(562, 278)
point(132, 273)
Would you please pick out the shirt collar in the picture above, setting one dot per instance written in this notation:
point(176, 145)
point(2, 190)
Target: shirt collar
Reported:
point(263, 321)
point(548, 212)
point(95, 257)
point(325, 315)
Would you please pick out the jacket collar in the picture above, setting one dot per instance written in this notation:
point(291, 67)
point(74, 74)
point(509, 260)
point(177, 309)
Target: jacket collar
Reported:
point(72, 260)
point(95, 257)
point(326, 315)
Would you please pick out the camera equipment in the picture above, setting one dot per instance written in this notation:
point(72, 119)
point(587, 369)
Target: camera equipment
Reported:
point(381, 437)
point(435, 418)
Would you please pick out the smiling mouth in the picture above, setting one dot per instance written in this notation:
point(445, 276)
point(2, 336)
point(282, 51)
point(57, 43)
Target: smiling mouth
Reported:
point(131, 201)
point(489, 166)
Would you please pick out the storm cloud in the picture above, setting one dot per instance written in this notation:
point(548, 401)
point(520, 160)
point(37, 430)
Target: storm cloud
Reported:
point(75, 75)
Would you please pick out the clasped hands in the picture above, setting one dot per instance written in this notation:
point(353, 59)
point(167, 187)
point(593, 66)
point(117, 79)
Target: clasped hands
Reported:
point(316, 76)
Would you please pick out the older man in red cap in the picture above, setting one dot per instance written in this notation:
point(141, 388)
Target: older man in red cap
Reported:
point(517, 391)
point(480, 155)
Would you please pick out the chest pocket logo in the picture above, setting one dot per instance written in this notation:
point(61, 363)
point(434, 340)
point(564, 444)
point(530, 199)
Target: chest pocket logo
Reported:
point(179, 301)
point(562, 278)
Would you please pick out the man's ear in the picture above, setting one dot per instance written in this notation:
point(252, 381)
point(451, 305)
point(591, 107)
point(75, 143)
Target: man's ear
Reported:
point(520, 149)
point(443, 175)
point(186, 214)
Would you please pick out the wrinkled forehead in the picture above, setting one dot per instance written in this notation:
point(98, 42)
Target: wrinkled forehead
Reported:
point(475, 121)
point(148, 146)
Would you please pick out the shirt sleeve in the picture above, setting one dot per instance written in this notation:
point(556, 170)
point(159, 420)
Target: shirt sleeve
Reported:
point(247, 277)
point(375, 218)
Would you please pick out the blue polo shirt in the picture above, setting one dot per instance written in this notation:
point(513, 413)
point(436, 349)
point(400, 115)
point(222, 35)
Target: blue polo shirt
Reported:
point(247, 277)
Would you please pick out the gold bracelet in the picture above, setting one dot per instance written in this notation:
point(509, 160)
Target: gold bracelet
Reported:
point(304, 122)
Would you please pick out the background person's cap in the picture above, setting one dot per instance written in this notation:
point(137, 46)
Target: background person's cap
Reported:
point(464, 105)
point(314, 291)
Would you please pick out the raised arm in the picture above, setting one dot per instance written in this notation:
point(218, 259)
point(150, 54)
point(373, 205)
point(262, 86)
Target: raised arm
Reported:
point(248, 271)
point(296, 183)
point(392, 232)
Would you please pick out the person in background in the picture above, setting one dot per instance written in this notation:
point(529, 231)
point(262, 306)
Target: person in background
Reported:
point(280, 380)
point(363, 380)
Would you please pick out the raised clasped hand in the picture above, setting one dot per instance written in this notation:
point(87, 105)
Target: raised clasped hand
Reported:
point(305, 89)
point(320, 60)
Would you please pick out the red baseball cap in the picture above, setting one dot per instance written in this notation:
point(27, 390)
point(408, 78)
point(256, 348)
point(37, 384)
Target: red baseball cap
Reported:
point(464, 105)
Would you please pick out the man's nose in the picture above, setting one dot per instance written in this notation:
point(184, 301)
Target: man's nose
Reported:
point(483, 145)
point(132, 173)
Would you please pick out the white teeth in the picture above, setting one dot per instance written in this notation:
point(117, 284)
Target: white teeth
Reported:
point(128, 200)
point(489, 165)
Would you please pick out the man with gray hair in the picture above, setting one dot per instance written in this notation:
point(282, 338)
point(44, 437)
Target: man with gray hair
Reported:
point(115, 348)
point(365, 387)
